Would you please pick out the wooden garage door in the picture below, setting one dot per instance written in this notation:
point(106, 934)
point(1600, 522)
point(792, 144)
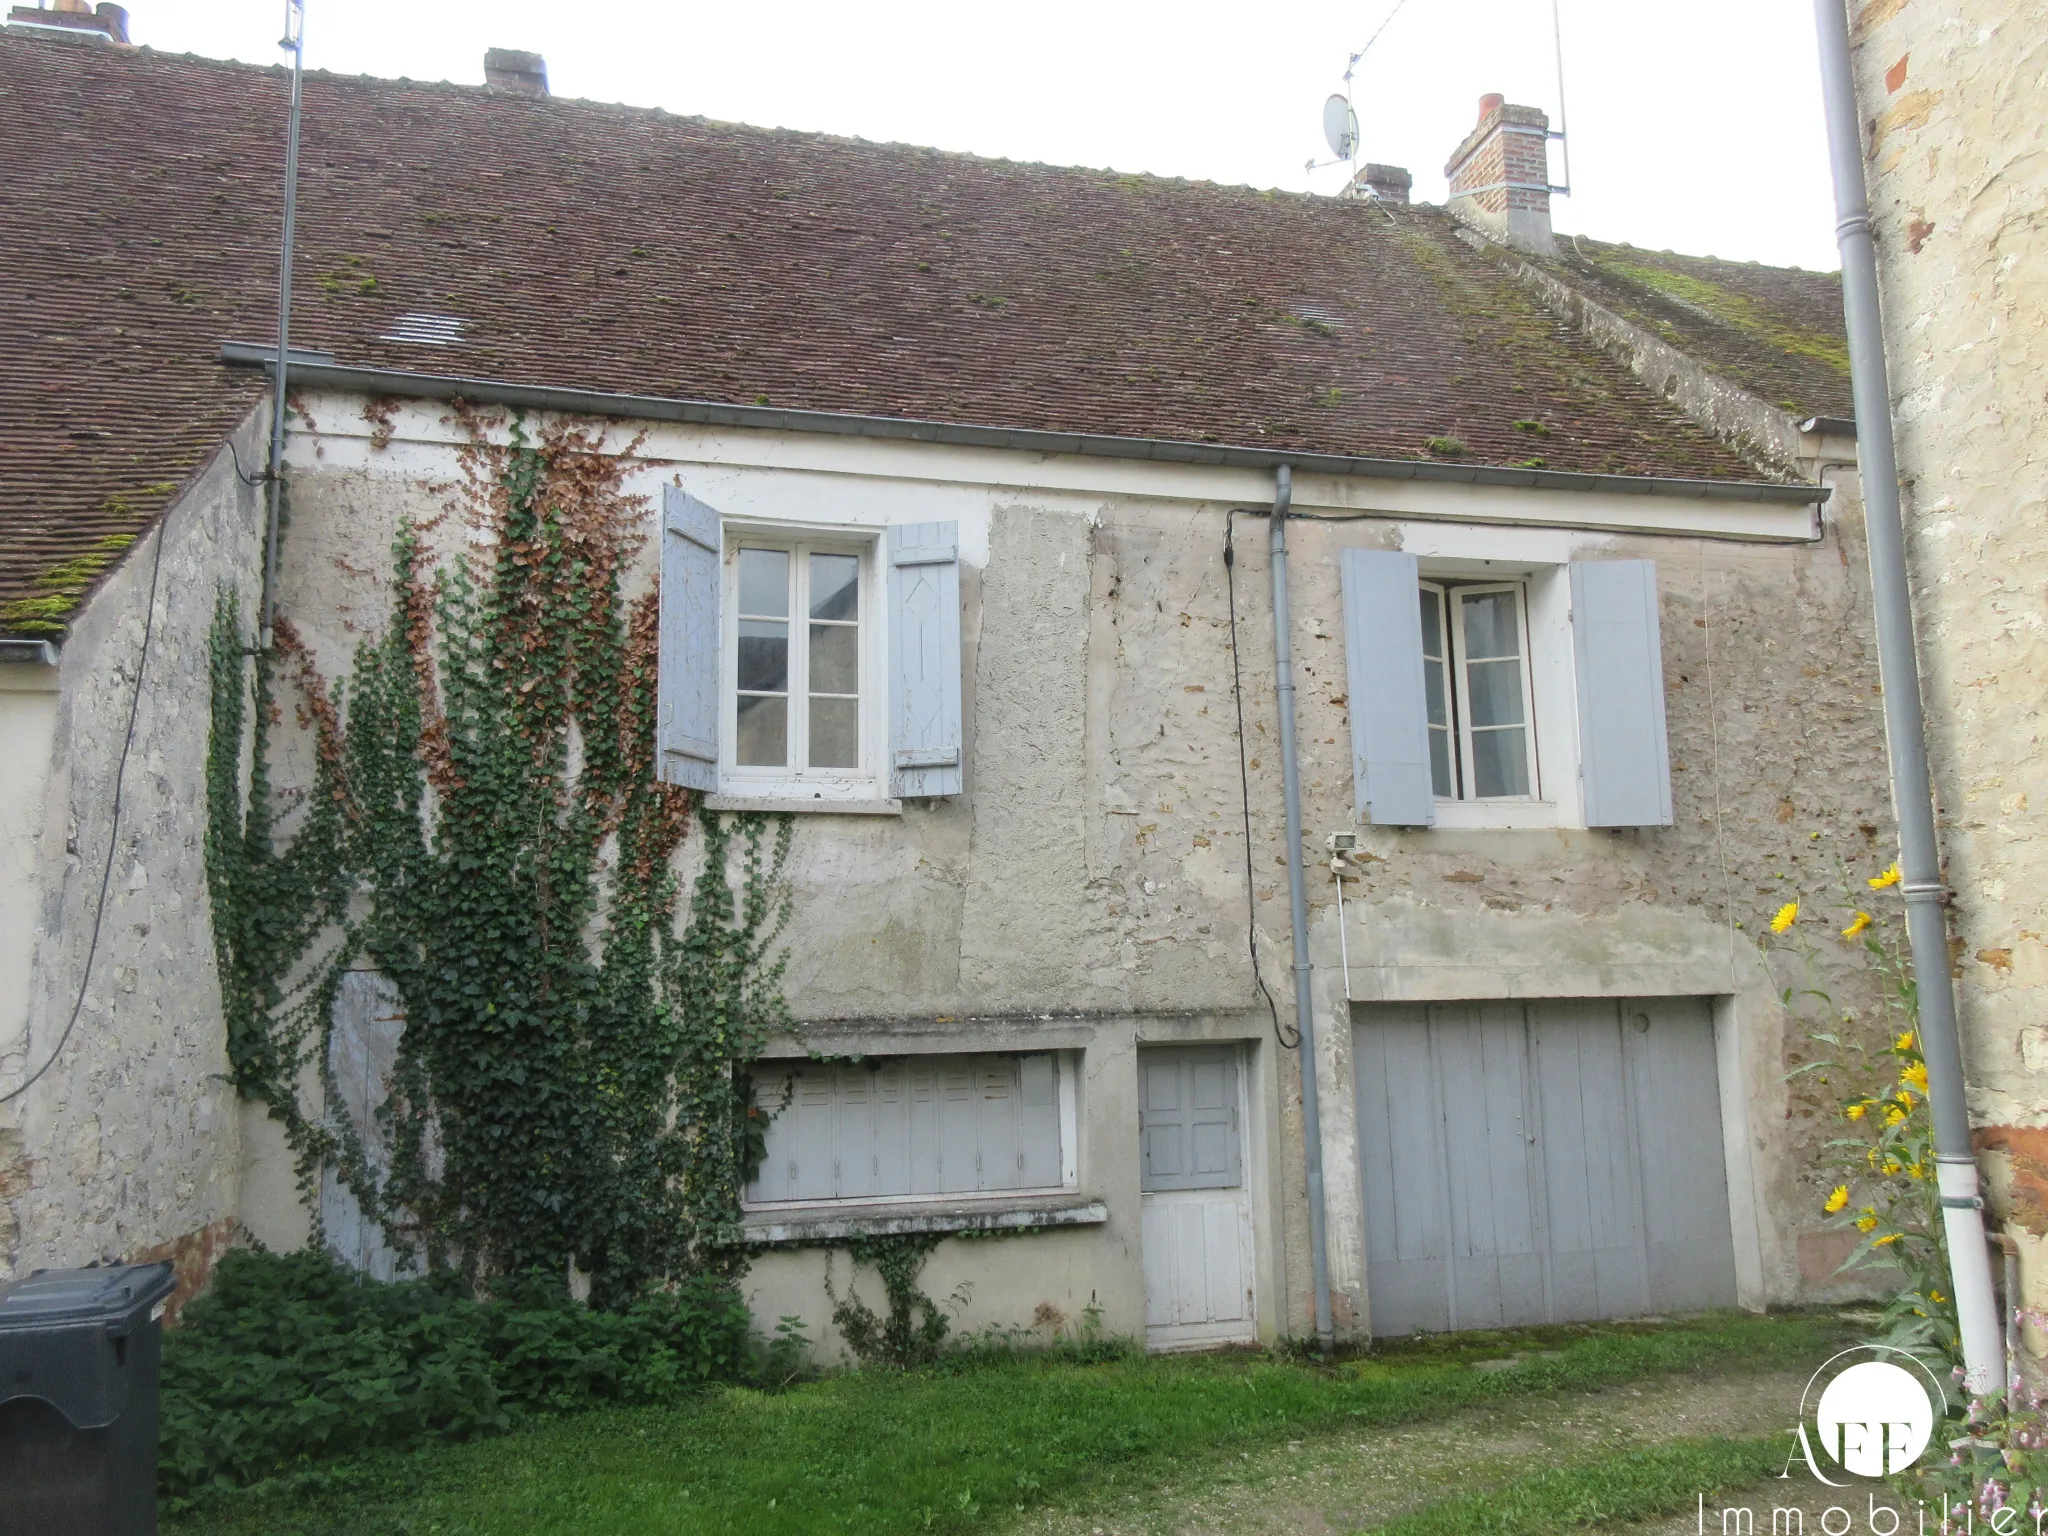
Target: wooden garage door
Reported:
point(1540, 1162)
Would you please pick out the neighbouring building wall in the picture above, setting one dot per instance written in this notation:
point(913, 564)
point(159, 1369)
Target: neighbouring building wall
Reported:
point(1958, 165)
point(128, 1142)
point(1087, 893)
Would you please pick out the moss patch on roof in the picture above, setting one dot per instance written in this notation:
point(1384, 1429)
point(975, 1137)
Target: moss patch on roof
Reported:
point(55, 592)
point(1777, 331)
point(1742, 311)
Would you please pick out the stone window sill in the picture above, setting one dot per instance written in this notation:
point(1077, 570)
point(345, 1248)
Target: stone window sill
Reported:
point(1495, 815)
point(829, 1223)
point(803, 807)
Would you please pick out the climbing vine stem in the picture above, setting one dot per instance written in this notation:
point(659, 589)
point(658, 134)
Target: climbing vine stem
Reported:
point(485, 827)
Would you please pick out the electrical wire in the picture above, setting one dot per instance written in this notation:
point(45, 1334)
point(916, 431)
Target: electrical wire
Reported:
point(1244, 781)
point(246, 479)
point(99, 915)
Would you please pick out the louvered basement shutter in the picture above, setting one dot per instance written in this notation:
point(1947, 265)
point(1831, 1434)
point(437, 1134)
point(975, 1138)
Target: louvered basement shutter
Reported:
point(1624, 761)
point(689, 642)
point(1389, 714)
point(924, 659)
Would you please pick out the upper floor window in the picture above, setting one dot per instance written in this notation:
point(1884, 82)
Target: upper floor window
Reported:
point(1477, 686)
point(801, 676)
point(1480, 702)
point(809, 667)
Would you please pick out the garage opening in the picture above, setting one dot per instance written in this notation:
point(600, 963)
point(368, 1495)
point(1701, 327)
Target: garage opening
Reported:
point(1539, 1162)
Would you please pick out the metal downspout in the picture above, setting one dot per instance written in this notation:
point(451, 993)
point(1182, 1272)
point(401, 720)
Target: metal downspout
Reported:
point(294, 40)
point(1297, 902)
point(1905, 727)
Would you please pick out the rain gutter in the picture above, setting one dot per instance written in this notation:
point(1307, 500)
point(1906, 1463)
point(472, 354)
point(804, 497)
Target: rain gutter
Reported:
point(328, 374)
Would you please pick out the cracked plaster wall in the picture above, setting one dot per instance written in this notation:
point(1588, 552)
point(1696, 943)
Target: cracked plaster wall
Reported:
point(129, 1145)
point(1088, 890)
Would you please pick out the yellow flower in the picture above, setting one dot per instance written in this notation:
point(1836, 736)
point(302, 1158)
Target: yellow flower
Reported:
point(1892, 1165)
point(1788, 914)
point(1889, 1237)
point(1890, 877)
point(1854, 1111)
point(1915, 1076)
point(1904, 1042)
point(1860, 922)
point(1936, 1297)
point(1893, 1114)
point(1837, 1199)
point(1866, 1221)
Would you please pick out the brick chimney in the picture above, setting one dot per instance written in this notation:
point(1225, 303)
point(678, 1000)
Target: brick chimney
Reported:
point(515, 70)
point(1388, 183)
point(1500, 175)
point(75, 18)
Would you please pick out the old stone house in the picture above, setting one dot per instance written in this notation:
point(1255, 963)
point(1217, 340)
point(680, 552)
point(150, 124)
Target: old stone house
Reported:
point(958, 481)
point(1958, 172)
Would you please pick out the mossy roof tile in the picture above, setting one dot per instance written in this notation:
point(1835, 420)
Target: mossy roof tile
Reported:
point(621, 249)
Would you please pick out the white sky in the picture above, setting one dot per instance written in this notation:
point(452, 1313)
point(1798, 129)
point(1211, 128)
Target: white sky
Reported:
point(1694, 127)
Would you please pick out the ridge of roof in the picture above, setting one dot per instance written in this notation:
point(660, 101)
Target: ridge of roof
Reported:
point(549, 242)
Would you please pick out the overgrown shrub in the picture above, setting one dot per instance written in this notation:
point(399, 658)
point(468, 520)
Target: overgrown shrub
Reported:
point(289, 1359)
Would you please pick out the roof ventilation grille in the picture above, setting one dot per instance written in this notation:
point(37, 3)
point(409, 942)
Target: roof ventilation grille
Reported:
point(422, 330)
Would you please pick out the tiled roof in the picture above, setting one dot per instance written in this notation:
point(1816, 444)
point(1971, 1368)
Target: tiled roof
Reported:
point(627, 250)
point(1777, 331)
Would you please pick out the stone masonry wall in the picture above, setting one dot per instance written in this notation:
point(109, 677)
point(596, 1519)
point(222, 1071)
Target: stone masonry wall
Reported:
point(128, 1145)
point(1952, 98)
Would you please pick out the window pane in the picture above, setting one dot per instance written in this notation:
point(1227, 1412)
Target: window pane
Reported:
point(1495, 692)
point(835, 587)
point(835, 733)
point(764, 582)
point(1433, 691)
point(1440, 765)
point(1490, 626)
point(764, 731)
point(835, 658)
point(764, 655)
point(1500, 762)
point(1432, 624)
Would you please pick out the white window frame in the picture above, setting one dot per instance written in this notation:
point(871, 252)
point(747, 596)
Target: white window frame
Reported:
point(1451, 594)
point(1066, 1080)
point(792, 784)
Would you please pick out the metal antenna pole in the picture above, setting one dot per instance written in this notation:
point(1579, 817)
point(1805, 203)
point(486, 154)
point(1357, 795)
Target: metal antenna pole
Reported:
point(1905, 728)
point(1564, 143)
point(294, 42)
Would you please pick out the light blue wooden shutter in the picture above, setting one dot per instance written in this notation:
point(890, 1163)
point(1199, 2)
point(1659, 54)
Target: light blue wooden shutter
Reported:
point(1624, 762)
point(689, 642)
point(924, 659)
point(1389, 714)
point(1187, 1119)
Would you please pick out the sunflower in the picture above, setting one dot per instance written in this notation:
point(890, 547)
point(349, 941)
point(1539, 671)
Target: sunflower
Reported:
point(1788, 914)
point(1889, 878)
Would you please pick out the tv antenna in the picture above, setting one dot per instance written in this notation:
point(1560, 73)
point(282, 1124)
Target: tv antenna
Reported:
point(1340, 117)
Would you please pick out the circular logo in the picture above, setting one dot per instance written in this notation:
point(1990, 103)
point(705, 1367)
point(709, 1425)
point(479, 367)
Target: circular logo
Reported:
point(1872, 1410)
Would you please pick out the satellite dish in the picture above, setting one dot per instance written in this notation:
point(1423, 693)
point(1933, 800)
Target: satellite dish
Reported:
point(1340, 126)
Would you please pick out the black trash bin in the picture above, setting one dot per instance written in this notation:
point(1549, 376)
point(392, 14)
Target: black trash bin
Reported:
point(79, 1350)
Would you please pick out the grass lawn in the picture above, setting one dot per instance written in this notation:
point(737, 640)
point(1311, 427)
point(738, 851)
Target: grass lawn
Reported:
point(972, 1447)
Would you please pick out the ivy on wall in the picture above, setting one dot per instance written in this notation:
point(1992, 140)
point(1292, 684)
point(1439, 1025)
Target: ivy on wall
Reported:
point(484, 825)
